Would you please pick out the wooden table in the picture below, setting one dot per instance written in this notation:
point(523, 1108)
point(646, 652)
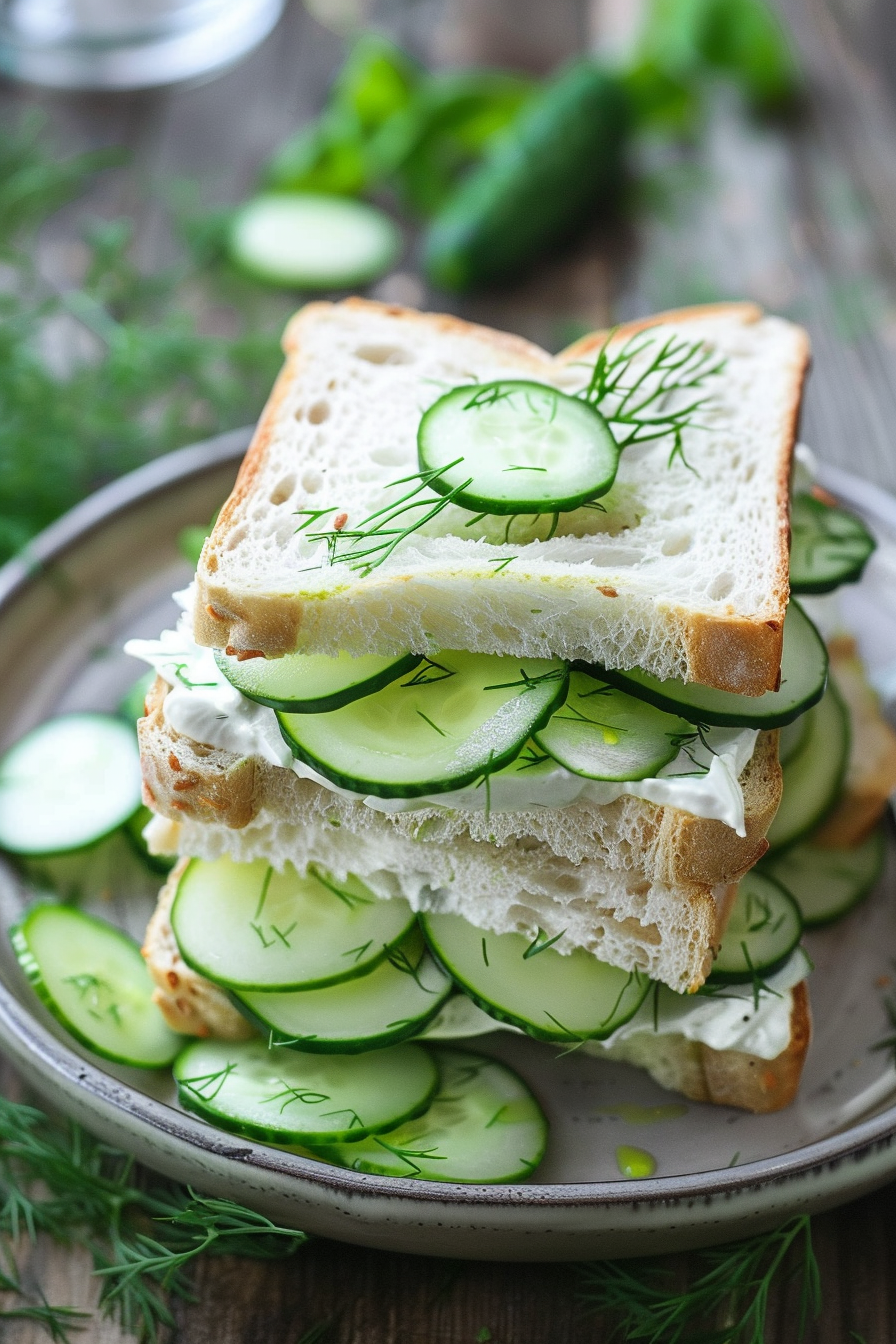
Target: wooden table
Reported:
point(801, 217)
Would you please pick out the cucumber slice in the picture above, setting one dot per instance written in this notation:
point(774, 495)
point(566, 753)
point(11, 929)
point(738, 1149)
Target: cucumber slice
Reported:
point(281, 1096)
point(246, 926)
point(804, 669)
point(312, 683)
point(527, 983)
point(792, 737)
point(67, 784)
point(764, 928)
point(313, 242)
point(463, 717)
point(828, 546)
point(133, 829)
point(814, 776)
point(603, 733)
point(484, 1127)
point(95, 982)
point(396, 1000)
point(827, 883)
point(516, 447)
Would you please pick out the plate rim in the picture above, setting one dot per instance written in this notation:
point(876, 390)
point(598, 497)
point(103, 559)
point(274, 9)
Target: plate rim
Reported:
point(32, 1039)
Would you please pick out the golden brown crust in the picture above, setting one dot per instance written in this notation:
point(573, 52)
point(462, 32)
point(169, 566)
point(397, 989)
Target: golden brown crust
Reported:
point(735, 654)
point(733, 1078)
point(699, 849)
point(871, 769)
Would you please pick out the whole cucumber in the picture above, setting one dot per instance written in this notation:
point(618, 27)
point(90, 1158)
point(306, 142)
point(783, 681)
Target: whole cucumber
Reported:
point(538, 182)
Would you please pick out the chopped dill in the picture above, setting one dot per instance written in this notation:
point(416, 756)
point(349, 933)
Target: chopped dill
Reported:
point(541, 943)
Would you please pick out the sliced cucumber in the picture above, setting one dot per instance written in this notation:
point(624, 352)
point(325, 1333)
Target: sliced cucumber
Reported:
point(527, 983)
point(281, 1096)
point(814, 776)
point(248, 927)
point(95, 982)
point(804, 669)
point(827, 883)
point(312, 683)
point(306, 241)
point(434, 731)
point(133, 829)
point(603, 733)
point(516, 447)
point(792, 737)
point(763, 929)
point(828, 546)
point(484, 1127)
point(396, 1000)
point(68, 783)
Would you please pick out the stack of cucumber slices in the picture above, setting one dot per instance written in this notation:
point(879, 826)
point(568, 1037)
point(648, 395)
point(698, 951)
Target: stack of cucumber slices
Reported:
point(345, 990)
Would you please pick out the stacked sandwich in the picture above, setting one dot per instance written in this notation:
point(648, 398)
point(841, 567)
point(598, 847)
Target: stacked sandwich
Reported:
point(483, 665)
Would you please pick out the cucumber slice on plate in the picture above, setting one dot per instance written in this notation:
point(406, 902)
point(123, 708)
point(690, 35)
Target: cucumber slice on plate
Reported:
point(281, 1096)
point(527, 983)
point(398, 999)
point(827, 883)
point(792, 737)
point(306, 241)
point(828, 546)
point(814, 776)
point(426, 734)
point(804, 669)
point(246, 926)
point(67, 784)
point(313, 683)
point(95, 982)
point(516, 447)
point(484, 1127)
point(764, 928)
point(603, 733)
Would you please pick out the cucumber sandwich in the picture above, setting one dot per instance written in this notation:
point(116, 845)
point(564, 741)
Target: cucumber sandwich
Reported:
point(474, 720)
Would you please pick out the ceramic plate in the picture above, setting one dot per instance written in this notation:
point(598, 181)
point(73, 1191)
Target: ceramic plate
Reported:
point(106, 572)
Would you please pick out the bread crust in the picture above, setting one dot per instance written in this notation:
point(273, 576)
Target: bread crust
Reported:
point(727, 1077)
point(725, 650)
point(871, 768)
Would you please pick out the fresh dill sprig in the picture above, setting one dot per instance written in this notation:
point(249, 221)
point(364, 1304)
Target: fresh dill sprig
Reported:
point(642, 408)
point(142, 1231)
point(727, 1303)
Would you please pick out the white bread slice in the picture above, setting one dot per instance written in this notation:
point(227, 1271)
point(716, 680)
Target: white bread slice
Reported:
point(871, 768)
point(684, 575)
point(185, 779)
point(194, 1006)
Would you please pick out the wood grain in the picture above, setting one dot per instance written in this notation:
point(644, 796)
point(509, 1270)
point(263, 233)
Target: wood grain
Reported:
point(801, 216)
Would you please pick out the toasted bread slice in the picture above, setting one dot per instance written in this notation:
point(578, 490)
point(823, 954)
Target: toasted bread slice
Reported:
point(684, 574)
point(871, 769)
point(194, 1006)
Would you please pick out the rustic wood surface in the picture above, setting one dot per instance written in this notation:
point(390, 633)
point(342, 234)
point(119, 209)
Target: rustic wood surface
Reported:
point(801, 216)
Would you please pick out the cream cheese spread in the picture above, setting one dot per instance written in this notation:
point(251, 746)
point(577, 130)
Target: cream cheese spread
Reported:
point(732, 1018)
point(703, 780)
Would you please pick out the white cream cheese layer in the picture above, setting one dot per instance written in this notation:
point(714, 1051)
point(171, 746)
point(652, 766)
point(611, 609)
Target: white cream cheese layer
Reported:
point(732, 1018)
point(703, 780)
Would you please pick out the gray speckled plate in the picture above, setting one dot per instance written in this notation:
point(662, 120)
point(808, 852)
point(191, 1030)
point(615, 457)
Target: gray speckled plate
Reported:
point(106, 572)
